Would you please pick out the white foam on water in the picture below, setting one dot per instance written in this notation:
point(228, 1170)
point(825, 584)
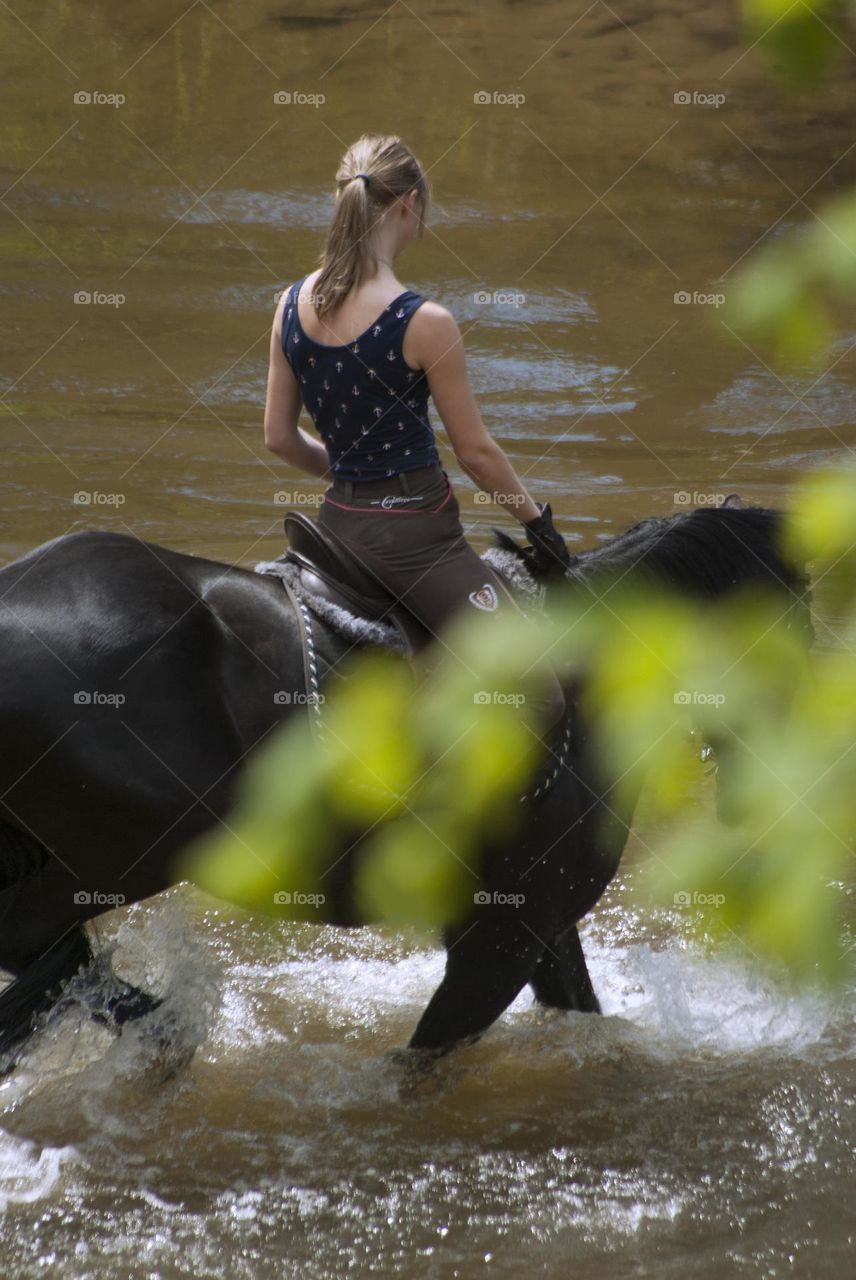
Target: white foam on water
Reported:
point(670, 1000)
point(341, 1001)
point(690, 999)
point(352, 990)
point(155, 948)
point(667, 1002)
point(28, 1172)
point(334, 1006)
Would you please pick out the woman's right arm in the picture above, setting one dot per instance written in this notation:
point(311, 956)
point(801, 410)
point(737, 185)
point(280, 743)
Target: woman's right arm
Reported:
point(282, 409)
point(437, 347)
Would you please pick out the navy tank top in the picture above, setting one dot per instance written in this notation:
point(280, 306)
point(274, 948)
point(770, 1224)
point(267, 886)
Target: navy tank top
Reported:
point(368, 406)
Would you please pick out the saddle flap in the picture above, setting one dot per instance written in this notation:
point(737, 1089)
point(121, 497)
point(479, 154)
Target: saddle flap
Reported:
point(328, 571)
point(316, 552)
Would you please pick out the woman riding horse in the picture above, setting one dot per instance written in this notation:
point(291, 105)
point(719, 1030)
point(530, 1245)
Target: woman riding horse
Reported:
point(136, 682)
point(363, 354)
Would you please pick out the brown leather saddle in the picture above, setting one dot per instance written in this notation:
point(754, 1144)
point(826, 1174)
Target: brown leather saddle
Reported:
point(329, 571)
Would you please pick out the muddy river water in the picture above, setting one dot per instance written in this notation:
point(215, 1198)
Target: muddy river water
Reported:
point(599, 174)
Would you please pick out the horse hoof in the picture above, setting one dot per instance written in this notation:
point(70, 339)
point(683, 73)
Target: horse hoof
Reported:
point(163, 1047)
point(167, 1064)
point(415, 1070)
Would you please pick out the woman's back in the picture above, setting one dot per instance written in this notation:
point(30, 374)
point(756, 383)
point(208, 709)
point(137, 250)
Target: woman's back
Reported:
point(354, 314)
point(368, 404)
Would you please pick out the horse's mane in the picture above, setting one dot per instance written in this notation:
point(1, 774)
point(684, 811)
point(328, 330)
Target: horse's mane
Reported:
point(701, 553)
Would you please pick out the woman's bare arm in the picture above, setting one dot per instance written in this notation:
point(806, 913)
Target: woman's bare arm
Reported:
point(282, 410)
point(433, 342)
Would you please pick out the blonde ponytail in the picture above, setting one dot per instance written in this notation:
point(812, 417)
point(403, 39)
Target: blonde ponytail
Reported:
point(374, 173)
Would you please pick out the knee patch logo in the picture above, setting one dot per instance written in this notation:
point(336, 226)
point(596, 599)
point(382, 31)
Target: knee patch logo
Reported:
point(485, 598)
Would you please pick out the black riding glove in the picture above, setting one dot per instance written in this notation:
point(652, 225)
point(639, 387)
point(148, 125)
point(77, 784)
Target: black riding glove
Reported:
point(550, 556)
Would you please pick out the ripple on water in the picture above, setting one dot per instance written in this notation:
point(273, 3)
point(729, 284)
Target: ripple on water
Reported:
point(760, 404)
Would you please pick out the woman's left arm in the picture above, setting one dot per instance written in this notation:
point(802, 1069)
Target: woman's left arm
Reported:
point(282, 409)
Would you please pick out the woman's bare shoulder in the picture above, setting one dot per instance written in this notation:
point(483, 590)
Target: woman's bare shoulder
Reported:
point(433, 310)
point(434, 324)
point(308, 285)
point(435, 318)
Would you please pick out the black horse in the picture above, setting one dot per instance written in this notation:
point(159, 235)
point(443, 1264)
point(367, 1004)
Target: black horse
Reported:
point(135, 682)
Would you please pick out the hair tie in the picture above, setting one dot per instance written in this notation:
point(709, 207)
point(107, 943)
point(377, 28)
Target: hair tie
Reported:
point(365, 177)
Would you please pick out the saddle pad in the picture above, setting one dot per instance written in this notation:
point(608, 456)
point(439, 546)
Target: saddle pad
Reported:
point(505, 564)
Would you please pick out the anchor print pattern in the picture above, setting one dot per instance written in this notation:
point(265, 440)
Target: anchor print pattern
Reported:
point(379, 424)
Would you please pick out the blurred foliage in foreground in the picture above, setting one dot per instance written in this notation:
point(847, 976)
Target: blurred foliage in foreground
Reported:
point(785, 296)
point(800, 38)
point(427, 772)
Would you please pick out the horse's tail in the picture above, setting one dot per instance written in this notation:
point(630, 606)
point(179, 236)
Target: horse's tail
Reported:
point(36, 987)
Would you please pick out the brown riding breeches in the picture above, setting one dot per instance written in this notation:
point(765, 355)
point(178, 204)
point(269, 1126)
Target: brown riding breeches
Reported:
point(406, 532)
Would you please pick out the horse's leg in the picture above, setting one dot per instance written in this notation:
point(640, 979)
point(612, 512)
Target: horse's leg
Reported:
point(128, 1004)
point(561, 979)
point(488, 964)
point(36, 986)
point(37, 989)
point(113, 1001)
